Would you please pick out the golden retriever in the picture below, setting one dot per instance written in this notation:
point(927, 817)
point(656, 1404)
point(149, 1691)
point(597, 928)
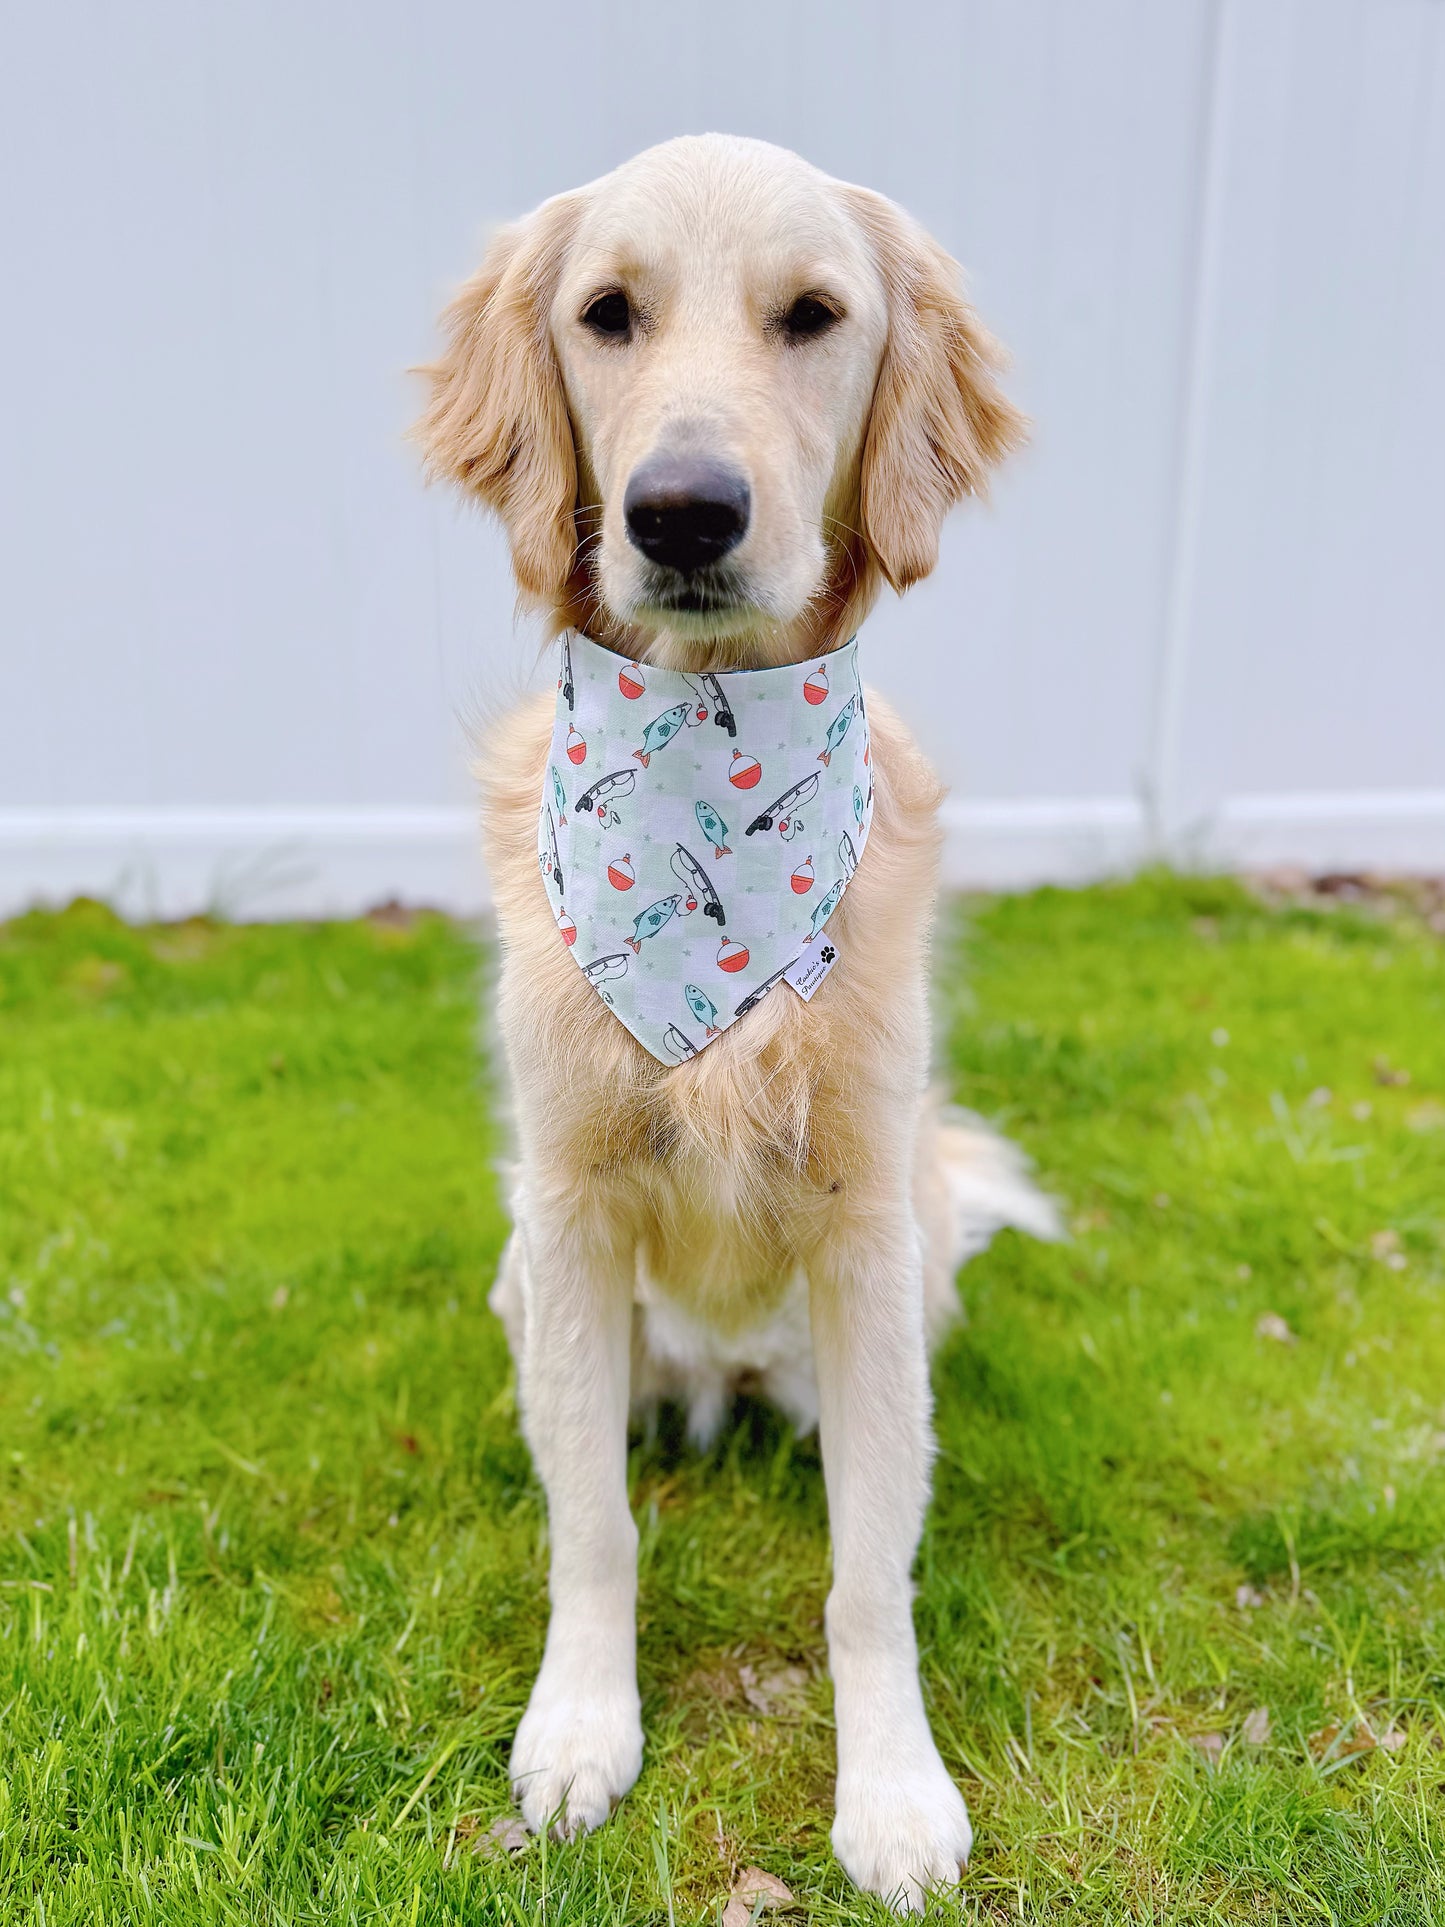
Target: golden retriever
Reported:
point(788, 1209)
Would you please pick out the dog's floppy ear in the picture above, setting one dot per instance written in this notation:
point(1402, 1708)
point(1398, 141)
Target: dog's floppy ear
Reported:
point(497, 422)
point(939, 421)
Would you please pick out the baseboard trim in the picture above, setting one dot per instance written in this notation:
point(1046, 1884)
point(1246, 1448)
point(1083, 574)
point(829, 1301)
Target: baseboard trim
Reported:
point(1018, 843)
point(247, 864)
point(324, 862)
point(1320, 830)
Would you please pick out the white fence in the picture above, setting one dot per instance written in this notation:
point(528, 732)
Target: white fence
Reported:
point(238, 642)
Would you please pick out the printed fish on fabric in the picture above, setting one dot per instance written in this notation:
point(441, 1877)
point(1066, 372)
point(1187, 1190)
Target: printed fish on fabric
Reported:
point(696, 832)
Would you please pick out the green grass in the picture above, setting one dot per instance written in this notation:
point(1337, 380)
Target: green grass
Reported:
point(272, 1560)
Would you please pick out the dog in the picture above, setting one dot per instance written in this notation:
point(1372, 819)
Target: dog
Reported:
point(718, 399)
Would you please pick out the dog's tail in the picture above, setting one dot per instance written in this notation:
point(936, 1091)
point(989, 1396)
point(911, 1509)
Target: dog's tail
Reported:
point(971, 1184)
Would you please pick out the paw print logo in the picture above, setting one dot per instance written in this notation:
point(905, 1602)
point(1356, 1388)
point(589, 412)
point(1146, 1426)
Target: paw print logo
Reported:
point(827, 953)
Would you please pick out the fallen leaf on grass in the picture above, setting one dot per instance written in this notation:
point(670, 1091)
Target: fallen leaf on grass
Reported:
point(391, 914)
point(1323, 1738)
point(1283, 880)
point(1385, 1245)
point(506, 1835)
point(1269, 1324)
point(1255, 1731)
point(768, 1693)
point(751, 1885)
point(704, 1684)
point(1094, 1219)
point(1326, 1742)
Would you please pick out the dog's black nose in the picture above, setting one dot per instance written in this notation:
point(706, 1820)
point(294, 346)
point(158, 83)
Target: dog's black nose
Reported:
point(685, 511)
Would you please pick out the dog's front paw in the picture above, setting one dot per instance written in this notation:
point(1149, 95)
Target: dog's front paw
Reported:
point(577, 1751)
point(902, 1829)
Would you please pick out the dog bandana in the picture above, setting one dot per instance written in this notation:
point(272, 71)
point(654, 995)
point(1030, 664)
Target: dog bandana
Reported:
point(696, 832)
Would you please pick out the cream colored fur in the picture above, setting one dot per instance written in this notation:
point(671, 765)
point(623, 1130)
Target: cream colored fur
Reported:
point(787, 1210)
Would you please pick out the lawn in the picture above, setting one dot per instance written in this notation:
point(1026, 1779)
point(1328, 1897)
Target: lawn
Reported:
point(272, 1560)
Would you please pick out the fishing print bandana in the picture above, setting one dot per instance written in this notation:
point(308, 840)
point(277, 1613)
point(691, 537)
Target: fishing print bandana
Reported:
point(696, 832)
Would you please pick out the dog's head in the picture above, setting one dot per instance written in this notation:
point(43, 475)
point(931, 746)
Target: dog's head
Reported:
point(714, 397)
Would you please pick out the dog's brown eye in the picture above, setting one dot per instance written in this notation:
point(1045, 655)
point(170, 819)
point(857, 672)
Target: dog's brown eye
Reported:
point(609, 314)
point(808, 316)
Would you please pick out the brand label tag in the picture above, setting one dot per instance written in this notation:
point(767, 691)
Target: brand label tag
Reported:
point(808, 970)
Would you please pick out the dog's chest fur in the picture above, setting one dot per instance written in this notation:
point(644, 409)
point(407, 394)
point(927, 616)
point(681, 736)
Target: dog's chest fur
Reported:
point(721, 1173)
